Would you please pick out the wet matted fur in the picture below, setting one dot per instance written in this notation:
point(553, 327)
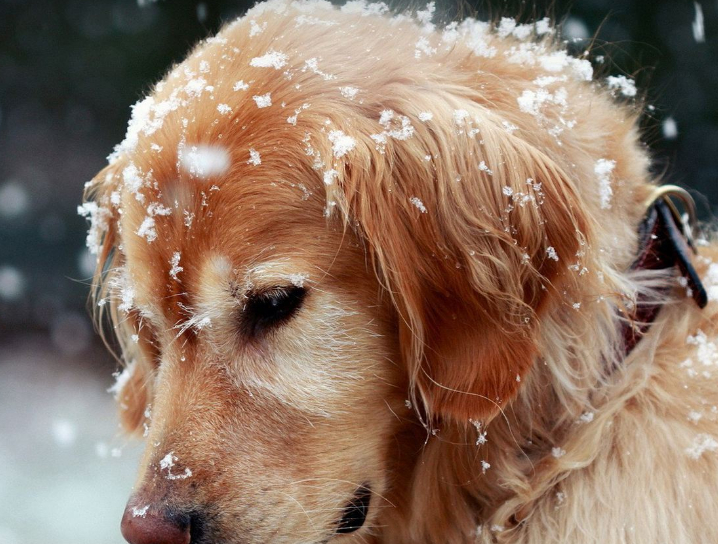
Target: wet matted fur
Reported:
point(344, 249)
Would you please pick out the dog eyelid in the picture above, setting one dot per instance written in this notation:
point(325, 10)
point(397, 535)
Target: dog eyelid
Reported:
point(269, 308)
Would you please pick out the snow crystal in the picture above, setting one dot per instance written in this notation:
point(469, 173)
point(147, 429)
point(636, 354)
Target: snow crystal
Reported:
point(174, 262)
point(272, 59)
point(484, 467)
point(551, 253)
point(425, 116)
point(204, 67)
point(558, 452)
point(263, 101)
point(224, 109)
point(670, 128)
point(349, 92)
point(701, 444)
point(204, 161)
point(586, 417)
point(627, 87)
point(418, 203)
point(147, 229)
point(603, 169)
point(484, 168)
point(240, 86)
point(341, 143)
point(255, 158)
point(508, 191)
point(699, 33)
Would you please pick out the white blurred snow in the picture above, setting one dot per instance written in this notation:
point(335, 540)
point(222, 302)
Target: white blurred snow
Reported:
point(57, 425)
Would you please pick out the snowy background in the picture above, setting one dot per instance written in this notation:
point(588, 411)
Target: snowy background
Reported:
point(69, 71)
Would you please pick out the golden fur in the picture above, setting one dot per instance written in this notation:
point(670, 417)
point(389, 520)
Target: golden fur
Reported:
point(462, 319)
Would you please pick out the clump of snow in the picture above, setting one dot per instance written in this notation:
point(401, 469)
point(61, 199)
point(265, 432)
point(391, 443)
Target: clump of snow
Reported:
point(168, 462)
point(425, 116)
point(272, 59)
point(140, 512)
point(484, 168)
point(330, 176)
point(349, 92)
point(263, 101)
point(670, 128)
point(626, 86)
point(255, 158)
point(586, 417)
point(174, 263)
point(99, 223)
point(551, 253)
point(312, 65)
point(240, 86)
point(121, 379)
point(341, 143)
point(147, 229)
point(603, 169)
point(224, 109)
point(508, 191)
point(416, 201)
point(699, 33)
point(558, 452)
point(702, 443)
point(484, 467)
point(298, 279)
point(204, 161)
point(256, 28)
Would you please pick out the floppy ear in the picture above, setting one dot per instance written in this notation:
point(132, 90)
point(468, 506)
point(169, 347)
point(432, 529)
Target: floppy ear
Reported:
point(473, 232)
point(110, 296)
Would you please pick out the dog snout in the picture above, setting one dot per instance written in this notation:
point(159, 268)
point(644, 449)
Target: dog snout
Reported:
point(155, 525)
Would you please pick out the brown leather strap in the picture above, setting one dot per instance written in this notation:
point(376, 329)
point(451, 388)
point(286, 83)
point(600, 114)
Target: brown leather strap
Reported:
point(664, 244)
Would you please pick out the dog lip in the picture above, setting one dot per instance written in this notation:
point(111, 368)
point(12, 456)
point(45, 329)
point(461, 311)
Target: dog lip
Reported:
point(356, 511)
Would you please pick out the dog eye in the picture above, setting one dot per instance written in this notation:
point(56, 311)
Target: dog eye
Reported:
point(271, 308)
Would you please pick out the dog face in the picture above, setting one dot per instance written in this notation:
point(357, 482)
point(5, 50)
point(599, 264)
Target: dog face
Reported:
point(310, 262)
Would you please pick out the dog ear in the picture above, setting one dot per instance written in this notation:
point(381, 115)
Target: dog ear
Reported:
point(110, 300)
point(474, 232)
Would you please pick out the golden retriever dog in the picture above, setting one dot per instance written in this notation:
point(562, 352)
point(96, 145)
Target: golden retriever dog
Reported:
point(375, 280)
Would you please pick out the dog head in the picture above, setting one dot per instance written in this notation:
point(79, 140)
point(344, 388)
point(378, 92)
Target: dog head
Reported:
point(312, 254)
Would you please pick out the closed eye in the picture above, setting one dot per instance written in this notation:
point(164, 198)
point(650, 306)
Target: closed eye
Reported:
point(271, 308)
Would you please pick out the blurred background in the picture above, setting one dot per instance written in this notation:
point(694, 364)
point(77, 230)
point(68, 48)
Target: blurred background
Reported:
point(69, 71)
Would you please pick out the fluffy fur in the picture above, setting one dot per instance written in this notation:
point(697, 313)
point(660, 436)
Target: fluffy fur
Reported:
point(459, 346)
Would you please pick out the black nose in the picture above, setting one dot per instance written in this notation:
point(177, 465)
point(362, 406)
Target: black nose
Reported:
point(356, 511)
point(148, 525)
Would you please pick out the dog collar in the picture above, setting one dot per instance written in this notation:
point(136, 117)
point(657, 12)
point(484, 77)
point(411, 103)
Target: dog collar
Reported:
point(665, 241)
